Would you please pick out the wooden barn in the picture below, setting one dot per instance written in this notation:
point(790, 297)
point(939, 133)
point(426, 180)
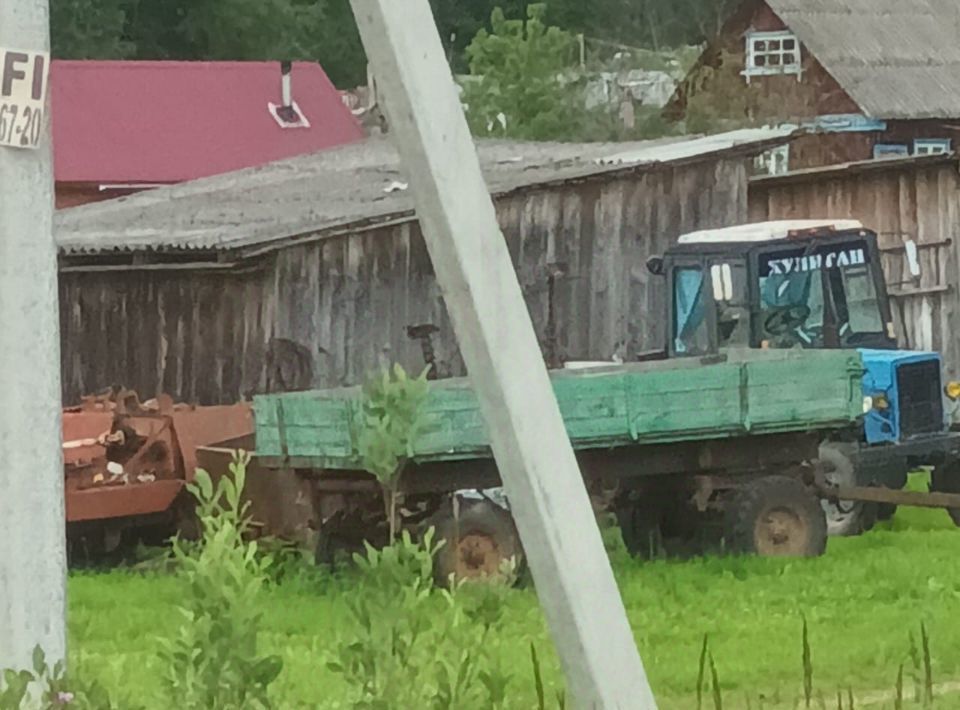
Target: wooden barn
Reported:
point(869, 78)
point(312, 271)
point(902, 199)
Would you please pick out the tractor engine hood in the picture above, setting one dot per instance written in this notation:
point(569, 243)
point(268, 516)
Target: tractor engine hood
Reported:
point(903, 395)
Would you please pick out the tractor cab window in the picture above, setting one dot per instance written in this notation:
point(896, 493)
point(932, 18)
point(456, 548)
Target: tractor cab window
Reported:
point(729, 281)
point(858, 302)
point(690, 326)
point(818, 297)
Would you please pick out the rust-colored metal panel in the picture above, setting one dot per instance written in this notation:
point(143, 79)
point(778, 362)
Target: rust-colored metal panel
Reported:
point(150, 447)
point(282, 502)
point(205, 426)
point(121, 501)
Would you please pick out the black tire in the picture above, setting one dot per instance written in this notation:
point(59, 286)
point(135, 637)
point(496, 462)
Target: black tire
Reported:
point(844, 518)
point(946, 479)
point(776, 516)
point(333, 548)
point(886, 511)
point(476, 543)
point(324, 554)
point(186, 523)
point(639, 528)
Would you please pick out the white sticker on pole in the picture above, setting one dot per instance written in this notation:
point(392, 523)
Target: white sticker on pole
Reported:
point(23, 93)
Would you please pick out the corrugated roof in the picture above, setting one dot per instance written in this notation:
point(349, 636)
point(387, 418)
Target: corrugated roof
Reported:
point(348, 186)
point(897, 59)
point(164, 122)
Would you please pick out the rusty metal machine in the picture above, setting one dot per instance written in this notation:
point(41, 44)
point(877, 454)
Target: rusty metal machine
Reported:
point(127, 463)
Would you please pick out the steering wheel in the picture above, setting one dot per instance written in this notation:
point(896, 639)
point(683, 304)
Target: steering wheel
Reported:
point(785, 319)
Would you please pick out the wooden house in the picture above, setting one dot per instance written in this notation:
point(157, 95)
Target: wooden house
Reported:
point(312, 271)
point(868, 78)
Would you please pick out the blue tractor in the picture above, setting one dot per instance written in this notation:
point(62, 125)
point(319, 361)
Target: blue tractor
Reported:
point(819, 284)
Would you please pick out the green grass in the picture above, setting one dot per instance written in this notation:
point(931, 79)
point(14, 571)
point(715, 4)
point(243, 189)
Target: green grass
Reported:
point(861, 600)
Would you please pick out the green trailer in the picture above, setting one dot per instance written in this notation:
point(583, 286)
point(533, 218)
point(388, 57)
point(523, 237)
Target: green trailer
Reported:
point(604, 407)
point(684, 452)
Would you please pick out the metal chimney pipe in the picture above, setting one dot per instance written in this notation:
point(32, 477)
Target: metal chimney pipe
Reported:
point(285, 83)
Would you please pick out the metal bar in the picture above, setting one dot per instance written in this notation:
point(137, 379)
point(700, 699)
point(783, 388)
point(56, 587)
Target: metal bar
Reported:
point(927, 291)
point(900, 248)
point(33, 543)
point(917, 499)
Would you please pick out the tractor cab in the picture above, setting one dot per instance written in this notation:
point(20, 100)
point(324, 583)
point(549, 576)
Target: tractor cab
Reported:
point(799, 284)
point(803, 284)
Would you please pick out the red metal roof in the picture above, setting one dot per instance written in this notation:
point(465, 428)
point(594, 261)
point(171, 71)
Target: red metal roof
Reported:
point(162, 122)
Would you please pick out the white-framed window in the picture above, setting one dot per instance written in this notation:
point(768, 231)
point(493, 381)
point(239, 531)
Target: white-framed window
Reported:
point(931, 146)
point(889, 150)
point(773, 162)
point(770, 53)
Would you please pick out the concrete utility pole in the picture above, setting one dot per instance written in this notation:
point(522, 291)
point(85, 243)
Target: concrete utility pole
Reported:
point(32, 545)
point(547, 494)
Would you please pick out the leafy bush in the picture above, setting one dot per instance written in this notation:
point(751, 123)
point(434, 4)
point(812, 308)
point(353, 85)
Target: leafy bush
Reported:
point(212, 662)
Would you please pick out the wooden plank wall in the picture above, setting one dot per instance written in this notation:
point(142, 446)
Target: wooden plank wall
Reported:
point(344, 302)
point(919, 202)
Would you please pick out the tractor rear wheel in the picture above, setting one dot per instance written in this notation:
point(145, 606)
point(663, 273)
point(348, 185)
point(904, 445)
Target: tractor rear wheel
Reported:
point(776, 516)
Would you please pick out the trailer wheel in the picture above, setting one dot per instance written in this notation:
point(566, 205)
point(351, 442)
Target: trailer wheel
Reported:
point(476, 543)
point(776, 516)
point(844, 517)
point(639, 528)
point(946, 479)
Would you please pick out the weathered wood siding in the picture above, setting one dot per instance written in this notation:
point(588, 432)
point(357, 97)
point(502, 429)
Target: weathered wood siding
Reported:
point(717, 89)
point(906, 201)
point(203, 336)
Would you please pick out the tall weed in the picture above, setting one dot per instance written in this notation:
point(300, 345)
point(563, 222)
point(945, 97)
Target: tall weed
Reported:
point(212, 662)
point(388, 427)
point(19, 689)
point(413, 645)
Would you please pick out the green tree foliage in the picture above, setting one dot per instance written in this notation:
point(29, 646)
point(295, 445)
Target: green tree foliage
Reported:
point(645, 23)
point(325, 31)
point(90, 29)
point(638, 23)
point(519, 90)
point(312, 30)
